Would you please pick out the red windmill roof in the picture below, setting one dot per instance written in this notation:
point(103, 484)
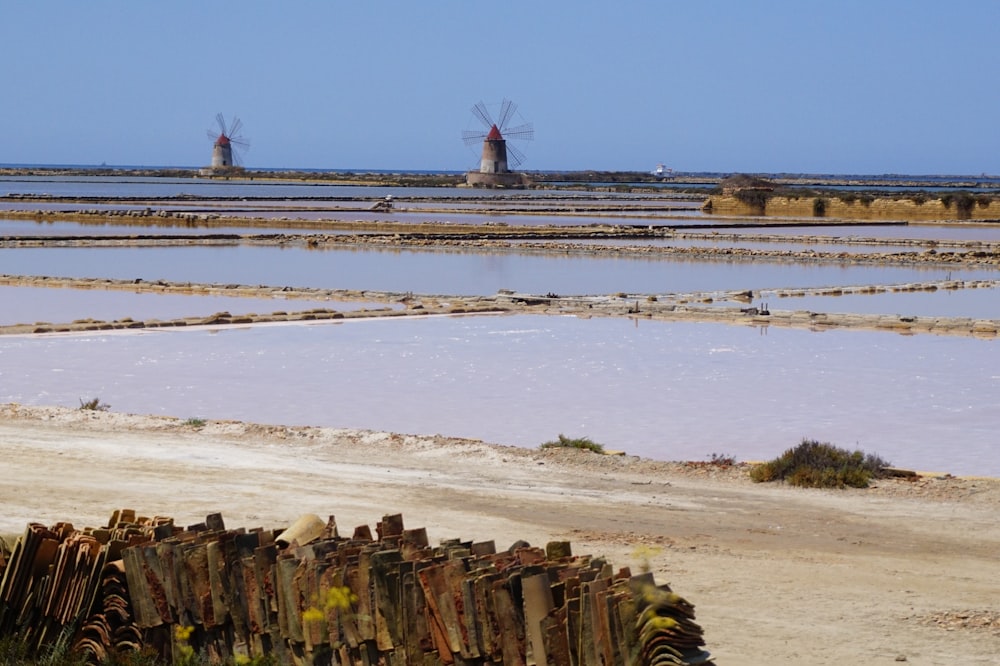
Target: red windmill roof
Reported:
point(494, 134)
point(223, 140)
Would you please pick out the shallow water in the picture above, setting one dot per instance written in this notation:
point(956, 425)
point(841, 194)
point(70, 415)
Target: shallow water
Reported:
point(662, 390)
point(979, 303)
point(449, 271)
point(789, 246)
point(100, 186)
point(399, 216)
point(105, 186)
point(973, 303)
point(31, 228)
point(30, 305)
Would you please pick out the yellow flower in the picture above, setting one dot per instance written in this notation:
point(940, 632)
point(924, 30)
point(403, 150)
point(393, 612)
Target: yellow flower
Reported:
point(182, 633)
point(340, 597)
point(312, 614)
point(645, 553)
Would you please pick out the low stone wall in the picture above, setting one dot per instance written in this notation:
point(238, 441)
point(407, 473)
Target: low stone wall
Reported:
point(854, 209)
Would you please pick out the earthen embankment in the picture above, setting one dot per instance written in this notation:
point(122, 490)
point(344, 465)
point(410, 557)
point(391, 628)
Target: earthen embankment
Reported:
point(852, 207)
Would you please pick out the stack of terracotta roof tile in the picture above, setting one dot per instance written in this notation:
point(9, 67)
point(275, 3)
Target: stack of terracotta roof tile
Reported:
point(57, 575)
point(110, 626)
point(308, 595)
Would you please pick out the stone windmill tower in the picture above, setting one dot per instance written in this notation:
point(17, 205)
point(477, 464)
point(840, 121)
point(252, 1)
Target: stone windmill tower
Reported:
point(227, 144)
point(499, 154)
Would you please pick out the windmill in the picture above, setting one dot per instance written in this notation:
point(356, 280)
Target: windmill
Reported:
point(226, 139)
point(498, 155)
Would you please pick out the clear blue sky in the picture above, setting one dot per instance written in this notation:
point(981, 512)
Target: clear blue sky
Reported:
point(890, 86)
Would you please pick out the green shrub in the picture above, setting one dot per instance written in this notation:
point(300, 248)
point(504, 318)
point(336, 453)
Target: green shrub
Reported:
point(94, 404)
point(195, 422)
point(813, 464)
point(564, 442)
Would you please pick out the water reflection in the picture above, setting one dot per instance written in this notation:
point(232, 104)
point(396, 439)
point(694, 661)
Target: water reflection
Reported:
point(67, 228)
point(972, 303)
point(453, 271)
point(30, 305)
point(110, 186)
point(788, 246)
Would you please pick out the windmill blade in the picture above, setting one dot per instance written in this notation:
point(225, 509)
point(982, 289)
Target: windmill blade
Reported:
point(212, 134)
point(515, 157)
point(525, 132)
point(240, 142)
point(235, 127)
point(480, 111)
point(219, 118)
point(473, 137)
point(239, 147)
point(507, 109)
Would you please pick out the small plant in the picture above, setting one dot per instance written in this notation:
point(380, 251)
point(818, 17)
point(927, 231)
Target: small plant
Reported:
point(94, 405)
point(564, 442)
point(814, 464)
point(716, 460)
point(645, 554)
point(184, 653)
point(721, 460)
point(195, 423)
point(964, 203)
point(819, 207)
point(15, 651)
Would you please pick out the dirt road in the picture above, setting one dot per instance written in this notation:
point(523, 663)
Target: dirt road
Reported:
point(904, 571)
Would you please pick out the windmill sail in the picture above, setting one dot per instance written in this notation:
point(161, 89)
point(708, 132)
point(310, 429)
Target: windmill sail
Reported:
point(498, 153)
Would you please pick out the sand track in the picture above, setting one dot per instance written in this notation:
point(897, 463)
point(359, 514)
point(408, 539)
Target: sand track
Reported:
point(778, 575)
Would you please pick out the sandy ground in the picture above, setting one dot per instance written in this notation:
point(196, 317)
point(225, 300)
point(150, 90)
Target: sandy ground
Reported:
point(906, 571)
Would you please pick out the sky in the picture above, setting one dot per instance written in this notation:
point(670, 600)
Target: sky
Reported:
point(793, 86)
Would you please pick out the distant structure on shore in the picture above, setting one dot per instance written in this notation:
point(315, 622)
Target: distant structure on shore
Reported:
point(226, 147)
point(498, 155)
